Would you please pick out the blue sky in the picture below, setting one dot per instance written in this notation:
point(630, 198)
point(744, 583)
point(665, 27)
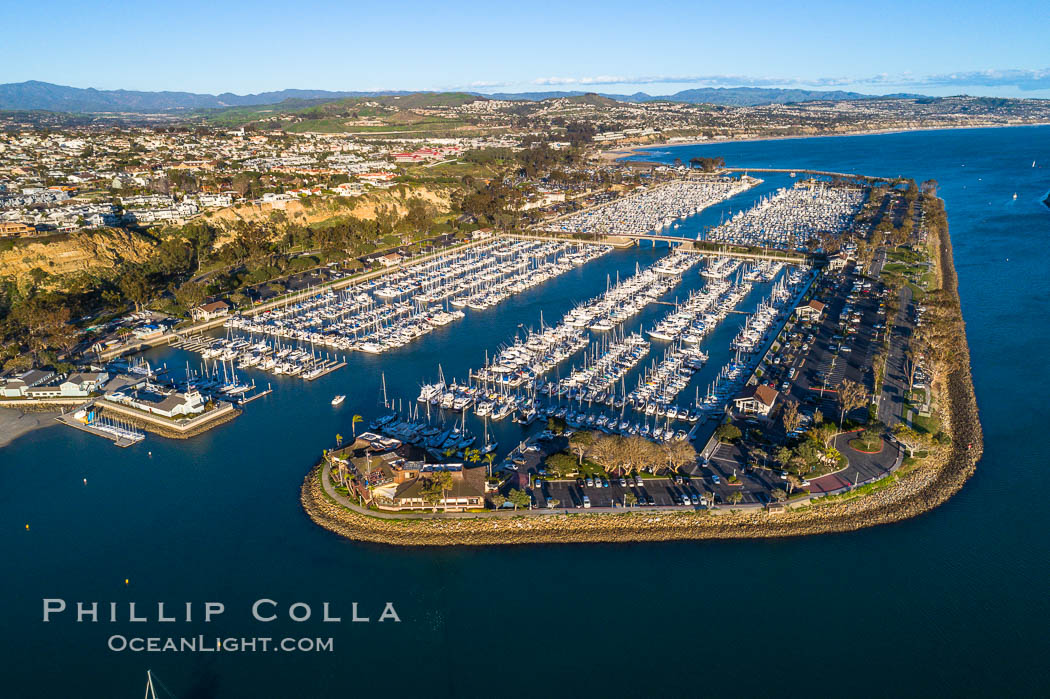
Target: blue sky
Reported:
point(656, 46)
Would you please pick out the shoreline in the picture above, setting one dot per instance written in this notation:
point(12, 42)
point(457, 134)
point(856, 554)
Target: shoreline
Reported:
point(630, 151)
point(930, 484)
point(15, 423)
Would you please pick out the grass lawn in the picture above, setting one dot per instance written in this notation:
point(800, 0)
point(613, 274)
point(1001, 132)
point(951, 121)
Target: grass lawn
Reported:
point(929, 425)
point(867, 446)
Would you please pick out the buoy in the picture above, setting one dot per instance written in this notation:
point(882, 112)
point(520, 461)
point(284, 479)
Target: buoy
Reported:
point(27, 527)
point(85, 481)
point(125, 581)
point(149, 453)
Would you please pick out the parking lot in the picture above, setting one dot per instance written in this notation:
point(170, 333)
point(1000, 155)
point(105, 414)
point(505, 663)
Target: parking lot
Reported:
point(840, 346)
point(610, 492)
point(812, 361)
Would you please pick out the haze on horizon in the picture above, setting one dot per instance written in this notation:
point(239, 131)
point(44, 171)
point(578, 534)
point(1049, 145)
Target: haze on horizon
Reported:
point(661, 47)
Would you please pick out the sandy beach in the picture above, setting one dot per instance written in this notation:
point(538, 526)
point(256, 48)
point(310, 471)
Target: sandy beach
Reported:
point(14, 423)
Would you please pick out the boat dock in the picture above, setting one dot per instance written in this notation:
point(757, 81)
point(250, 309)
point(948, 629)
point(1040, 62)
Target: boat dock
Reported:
point(323, 369)
point(121, 434)
point(244, 400)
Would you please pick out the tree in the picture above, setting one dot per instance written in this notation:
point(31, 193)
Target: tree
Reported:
point(189, 295)
point(353, 425)
point(135, 286)
point(818, 417)
point(561, 465)
point(498, 500)
point(489, 458)
point(736, 497)
point(630, 498)
point(553, 502)
point(339, 440)
point(793, 482)
point(728, 432)
point(851, 395)
point(912, 439)
point(519, 498)
point(790, 417)
point(779, 495)
point(580, 442)
point(679, 453)
point(444, 483)
point(432, 492)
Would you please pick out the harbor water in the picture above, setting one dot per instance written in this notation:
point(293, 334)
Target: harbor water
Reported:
point(950, 603)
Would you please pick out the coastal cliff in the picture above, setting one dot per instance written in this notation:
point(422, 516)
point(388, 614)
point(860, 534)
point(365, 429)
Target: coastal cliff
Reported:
point(83, 251)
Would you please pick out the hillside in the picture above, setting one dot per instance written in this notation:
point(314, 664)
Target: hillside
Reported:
point(84, 251)
point(308, 212)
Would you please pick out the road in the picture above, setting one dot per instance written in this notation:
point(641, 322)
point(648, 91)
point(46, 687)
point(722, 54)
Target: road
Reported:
point(895, 379)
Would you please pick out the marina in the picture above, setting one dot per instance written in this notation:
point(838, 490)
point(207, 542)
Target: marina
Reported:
point(594, 394)
point(788, 218)
point(382, 314)
point(654, 209)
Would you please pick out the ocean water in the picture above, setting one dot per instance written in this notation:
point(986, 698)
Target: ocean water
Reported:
point(951, 603)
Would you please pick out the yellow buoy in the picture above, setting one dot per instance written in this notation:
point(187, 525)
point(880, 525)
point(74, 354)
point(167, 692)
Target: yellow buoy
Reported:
point(125, 581)
point(27, 527)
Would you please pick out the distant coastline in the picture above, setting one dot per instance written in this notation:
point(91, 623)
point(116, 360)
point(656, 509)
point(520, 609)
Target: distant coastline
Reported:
point(629, 151)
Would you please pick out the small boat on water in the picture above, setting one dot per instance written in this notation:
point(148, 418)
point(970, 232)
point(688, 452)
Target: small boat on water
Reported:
point(338, 399)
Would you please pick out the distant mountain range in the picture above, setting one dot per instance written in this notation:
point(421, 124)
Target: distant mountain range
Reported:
point(727, 96)
point(35, 95)
point(59, 98)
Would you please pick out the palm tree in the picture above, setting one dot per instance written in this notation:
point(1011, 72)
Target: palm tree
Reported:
point(353, 424)
point(489, 458)
point(338, 440)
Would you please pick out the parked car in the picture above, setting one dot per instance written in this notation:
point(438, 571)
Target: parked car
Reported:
point(586, 501)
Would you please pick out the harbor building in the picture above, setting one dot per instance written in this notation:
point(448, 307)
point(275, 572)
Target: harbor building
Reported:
point(153, 399)
point(756, 400)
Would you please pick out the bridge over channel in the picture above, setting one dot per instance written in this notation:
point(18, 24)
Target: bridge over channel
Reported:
point(630, 239)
